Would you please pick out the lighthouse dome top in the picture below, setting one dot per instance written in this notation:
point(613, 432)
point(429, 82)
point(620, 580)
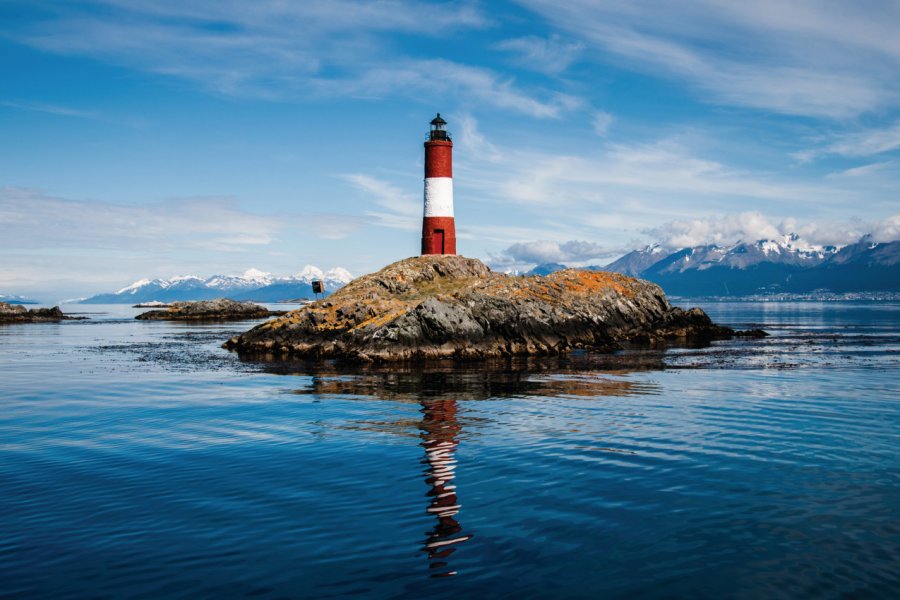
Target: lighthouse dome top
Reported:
point(439, 129)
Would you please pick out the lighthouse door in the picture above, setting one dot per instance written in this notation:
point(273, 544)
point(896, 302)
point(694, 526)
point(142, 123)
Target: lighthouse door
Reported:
point(439, 240)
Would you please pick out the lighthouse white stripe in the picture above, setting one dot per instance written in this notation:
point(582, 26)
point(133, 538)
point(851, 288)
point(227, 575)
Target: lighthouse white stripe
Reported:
point(438, 196)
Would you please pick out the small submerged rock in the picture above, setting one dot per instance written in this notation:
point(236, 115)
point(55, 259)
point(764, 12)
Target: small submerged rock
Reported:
point(751, 333)
point(435, 307)
point(16, 313)
point(221, 309)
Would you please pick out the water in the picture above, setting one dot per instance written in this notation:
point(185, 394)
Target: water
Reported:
point(138, 459)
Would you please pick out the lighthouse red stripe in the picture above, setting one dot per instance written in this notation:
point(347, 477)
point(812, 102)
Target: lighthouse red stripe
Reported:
point(438, 159)
point(438, 235)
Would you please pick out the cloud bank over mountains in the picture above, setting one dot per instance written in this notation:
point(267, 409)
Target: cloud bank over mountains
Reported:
point(749, 226)
point(721, 230)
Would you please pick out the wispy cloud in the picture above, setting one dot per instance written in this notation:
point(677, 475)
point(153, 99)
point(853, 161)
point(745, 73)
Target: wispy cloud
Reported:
point(433, 79)
point(329, 226)
point(31, 219)
point(392, 206)
point(547, 55)
point(276, 50)
point(863, 170)
point(797, 57)
point(473, 143)
point(50, 109)
point(867, 142)
point(855, 143)
point(57, 243)
point(601, 122)
point(665, 175)
point(621, 192)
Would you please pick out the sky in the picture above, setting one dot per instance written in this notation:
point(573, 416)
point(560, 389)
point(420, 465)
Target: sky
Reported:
point(152, 138)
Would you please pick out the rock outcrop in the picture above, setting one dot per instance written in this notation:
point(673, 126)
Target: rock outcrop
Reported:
point(16, 313)
point(221, 309)
point(433, 307)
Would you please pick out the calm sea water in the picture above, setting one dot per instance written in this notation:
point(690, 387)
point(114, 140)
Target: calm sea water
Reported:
point(138, 459)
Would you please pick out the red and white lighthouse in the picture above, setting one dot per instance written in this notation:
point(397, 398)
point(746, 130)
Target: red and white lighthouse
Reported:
point(438, 227)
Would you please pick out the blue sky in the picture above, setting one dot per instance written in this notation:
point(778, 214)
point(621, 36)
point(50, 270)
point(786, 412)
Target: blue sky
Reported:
point(148, 138)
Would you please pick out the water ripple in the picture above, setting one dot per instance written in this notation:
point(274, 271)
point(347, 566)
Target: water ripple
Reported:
point(144, 461)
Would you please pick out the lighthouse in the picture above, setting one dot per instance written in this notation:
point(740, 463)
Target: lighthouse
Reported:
point(438, 227)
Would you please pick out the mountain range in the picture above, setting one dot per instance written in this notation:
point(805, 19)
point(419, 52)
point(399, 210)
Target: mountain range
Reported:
point(253, 285)
point(781, 266)
point(785, 265)
point(12, 299)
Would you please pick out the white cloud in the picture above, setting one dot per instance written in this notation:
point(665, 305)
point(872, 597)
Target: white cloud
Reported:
point(401, 209)
point(32, 219)
point(331, 16)
point(862, 170)
point(715, 230)
point(332, 226)
point(752, 225)
point(437, 79)
point(548, 55)
point(799, 57)
point(74, 246)
point(887, 230)
point(601, 122)
point(275, 50)
point(868, 142)
point(547, 251)
point(722, 230)
point(472, 143)
point(51, 109)
point(660, 178)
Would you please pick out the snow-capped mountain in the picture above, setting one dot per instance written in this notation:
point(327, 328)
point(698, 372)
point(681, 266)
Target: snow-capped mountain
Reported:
point(637, 261)
point(786, 264)
point(13, 299)
point(546, 269)
point(253, 284)
point(788, 250)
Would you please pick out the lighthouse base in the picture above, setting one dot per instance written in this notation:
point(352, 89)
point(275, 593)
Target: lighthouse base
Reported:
point(438, 235)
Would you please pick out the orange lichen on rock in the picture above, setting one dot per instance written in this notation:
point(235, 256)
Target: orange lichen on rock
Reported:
point(380, 319)
point(582, 282)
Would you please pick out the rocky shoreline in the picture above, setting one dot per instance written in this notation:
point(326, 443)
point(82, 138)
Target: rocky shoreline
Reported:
point(452, 307)
point(221, 309)
point(16, 313)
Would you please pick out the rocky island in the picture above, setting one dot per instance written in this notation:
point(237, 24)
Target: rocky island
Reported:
point(435, 307)
point(16, 313)
point(221, 309)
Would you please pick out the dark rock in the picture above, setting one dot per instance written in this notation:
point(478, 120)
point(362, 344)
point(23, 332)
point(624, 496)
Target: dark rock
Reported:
point(751, 333)
point(433, 307)
point(16, 313)
point(221, 309)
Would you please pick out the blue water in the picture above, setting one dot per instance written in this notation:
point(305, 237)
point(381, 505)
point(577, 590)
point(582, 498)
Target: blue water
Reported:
point(140, 460)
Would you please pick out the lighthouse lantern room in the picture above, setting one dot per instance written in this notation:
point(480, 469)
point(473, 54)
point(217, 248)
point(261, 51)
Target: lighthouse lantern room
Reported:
point(438, 227)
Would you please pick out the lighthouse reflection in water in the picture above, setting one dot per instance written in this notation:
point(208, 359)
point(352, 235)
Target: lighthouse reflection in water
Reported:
point(440, 437)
